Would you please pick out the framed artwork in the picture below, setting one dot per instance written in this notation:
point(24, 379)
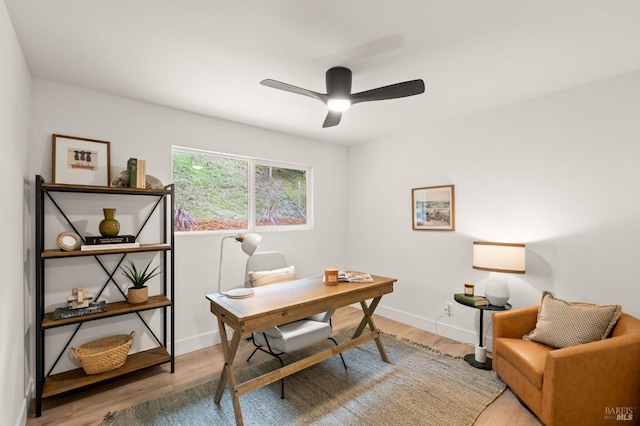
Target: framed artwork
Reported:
point(80, 161)
point(433, 208)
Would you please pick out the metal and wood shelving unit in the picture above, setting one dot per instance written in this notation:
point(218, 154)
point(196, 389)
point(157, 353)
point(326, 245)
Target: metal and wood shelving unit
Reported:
point(48, 384)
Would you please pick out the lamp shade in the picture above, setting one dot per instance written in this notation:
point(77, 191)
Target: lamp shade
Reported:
point(499, 257)
point(250, 242)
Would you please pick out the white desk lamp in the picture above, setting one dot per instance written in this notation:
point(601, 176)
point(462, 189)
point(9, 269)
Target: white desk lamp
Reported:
point(250, 243)
point(503, 258)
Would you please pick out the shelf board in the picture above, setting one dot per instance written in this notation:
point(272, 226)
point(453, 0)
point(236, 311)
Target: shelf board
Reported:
point(88, 189)
point(75, 379)
point(113, 309)
point(57, 253)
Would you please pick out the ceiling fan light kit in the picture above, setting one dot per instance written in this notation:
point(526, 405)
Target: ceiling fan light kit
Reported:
point(339, 105)
point(339, 97)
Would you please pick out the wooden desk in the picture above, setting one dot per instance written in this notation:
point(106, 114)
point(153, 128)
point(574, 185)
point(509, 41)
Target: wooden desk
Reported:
point(278, 304)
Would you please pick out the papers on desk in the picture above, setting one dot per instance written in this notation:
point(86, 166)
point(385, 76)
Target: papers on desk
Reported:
point(354, 277)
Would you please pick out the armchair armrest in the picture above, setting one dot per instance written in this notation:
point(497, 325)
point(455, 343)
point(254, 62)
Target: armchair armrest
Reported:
point(591, 377)
point(515, 323)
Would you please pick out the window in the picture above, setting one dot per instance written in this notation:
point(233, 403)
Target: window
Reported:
point(216, 191)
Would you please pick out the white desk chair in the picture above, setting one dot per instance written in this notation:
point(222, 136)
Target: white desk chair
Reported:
point(269, 268)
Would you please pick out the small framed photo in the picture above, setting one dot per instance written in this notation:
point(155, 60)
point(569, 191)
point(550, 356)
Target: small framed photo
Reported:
point(69, 241)
point(433, 208)
point(80, 161)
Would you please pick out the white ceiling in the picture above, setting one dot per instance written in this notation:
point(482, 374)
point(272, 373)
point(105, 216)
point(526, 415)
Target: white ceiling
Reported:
point(208, 56)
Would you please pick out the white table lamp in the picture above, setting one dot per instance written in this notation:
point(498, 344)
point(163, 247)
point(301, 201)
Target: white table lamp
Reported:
point(502, 258)
point(250, 243)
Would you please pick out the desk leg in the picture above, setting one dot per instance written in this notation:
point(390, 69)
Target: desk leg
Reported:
point(368, 319)
point(229, 352)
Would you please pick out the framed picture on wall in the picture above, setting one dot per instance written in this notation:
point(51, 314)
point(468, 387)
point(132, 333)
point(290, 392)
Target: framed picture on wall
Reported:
point(80, 161)
point(433, 208)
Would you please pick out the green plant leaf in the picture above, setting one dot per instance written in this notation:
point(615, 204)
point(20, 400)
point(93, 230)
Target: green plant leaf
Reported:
point(137, 278)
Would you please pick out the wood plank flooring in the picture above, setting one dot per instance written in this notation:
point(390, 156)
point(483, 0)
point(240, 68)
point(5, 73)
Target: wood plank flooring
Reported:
point(88, 406)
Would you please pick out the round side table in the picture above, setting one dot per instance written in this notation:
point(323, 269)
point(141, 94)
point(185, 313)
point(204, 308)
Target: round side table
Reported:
point(471, 358)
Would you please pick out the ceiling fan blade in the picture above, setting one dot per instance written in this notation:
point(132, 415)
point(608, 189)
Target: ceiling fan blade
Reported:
point(333, 119)
point(393, 91)
point(293, 89)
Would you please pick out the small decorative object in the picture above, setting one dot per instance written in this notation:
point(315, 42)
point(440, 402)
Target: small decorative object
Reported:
point(80, 298)
point(103, 354)
point(468, 289)
point(331, 276)
point(138, 293)
point(109, 226)
point(433, 208)
point(80, 161)
point(69, 241)
point(122, 181)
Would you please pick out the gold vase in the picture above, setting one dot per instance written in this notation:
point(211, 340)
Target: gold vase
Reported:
point(109, 227)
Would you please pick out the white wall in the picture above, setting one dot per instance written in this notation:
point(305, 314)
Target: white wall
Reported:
point(559, 173)
point(16, 335)
point(148, 131)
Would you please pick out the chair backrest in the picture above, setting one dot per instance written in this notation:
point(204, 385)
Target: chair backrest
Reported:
point(264, 261)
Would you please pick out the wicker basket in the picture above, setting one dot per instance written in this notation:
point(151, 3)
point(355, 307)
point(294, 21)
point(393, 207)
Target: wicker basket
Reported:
point(103, 354)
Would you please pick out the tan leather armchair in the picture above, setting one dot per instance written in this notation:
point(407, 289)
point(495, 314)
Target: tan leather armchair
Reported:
point(585, 384)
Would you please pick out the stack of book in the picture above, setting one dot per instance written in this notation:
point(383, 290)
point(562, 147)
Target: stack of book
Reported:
point(69, 312)
point(137, 173)
point(471, 300)
point(108, 243)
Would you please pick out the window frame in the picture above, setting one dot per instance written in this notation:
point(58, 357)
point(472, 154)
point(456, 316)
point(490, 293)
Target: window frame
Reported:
point(253, 162)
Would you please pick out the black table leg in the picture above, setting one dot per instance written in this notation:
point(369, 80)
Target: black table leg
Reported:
point(471, 358)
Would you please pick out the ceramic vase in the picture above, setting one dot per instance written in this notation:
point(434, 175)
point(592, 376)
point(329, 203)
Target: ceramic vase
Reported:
point(109, 227)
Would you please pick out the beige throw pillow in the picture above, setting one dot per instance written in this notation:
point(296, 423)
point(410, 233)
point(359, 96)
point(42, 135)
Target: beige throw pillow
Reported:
point(271, 277)
point(562, 324)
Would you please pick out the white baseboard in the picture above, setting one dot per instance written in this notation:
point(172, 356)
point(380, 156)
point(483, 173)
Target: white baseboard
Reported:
point(442, 328)
point(29, 395)
point(194, 343)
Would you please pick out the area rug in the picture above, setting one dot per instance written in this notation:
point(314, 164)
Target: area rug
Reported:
point(420, 387)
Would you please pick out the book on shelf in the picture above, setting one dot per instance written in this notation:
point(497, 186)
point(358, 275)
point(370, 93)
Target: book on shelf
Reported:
point(132, 167)
point(68, 312)
point(471, 300)
point(354, 277)
point(141, 179)
point(119, 239)
point(96, 247)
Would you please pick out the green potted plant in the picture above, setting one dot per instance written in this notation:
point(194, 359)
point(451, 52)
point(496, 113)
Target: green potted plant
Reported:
point(138, 292)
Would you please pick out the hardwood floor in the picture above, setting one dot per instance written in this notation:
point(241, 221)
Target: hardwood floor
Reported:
point(88, 406)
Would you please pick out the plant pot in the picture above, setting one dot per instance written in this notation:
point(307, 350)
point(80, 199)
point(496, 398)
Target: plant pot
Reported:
point(137, 295)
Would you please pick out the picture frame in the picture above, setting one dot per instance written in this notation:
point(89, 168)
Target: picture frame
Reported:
point(69, 241)
point(433, 208)
point(80, 161)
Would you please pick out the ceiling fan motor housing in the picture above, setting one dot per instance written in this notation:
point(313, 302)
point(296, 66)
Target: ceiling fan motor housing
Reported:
point(338, 82)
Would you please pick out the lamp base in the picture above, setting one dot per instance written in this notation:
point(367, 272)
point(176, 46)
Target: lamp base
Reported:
point(496, 290)
point(481, 354)
point(239, 293)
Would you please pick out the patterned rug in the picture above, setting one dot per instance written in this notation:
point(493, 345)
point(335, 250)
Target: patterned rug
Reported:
point(420, 387)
